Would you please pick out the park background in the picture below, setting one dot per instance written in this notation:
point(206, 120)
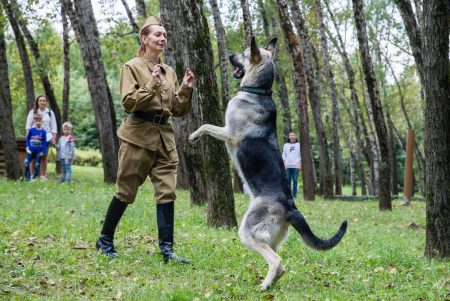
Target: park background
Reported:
point(352, 78)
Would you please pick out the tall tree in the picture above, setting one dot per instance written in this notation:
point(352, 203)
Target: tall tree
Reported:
point(66, 80)
point(356, 119)
point(417, 152)
point(248, 32)
point(280, 81)
point(437, 127)
point(23, 53)
point(7, 137)
point(332, 91)
point(413, 32)
point(185, 19)
point(83, 22)
point(313, 78)
point(130, 17)
point(140, 9)
point(41, 66)
point(222, 49)
point(223, 63)
point(299, 80)
point(377, 110)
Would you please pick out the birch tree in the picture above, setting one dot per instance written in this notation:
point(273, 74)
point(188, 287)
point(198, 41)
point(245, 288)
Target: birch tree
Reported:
point(377, 110)
point(299, 80)
point(83, 22)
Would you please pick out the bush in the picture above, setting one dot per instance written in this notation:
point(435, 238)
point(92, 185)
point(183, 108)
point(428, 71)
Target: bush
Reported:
point(88, 157)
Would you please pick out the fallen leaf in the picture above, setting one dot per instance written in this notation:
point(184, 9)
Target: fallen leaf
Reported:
point(80, 246)
point(269, 297)
point(378, 269)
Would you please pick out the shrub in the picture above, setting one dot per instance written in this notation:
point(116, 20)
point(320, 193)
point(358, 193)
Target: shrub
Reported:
point(88, 157)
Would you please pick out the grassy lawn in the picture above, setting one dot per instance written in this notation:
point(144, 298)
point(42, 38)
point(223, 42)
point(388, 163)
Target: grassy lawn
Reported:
point(48, 231)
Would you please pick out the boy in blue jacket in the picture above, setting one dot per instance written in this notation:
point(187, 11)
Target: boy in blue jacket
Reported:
point(36, 143)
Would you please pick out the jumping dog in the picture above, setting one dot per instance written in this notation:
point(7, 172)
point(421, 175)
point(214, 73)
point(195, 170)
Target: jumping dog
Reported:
point(251, 140)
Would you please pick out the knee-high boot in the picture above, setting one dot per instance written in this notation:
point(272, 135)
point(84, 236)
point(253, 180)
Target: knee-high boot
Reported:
point(165, 219)
point(106, 240)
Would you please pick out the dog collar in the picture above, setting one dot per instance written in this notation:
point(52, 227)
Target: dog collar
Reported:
point(259, 91)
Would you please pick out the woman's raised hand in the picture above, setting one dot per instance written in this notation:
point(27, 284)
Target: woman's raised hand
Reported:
point(188, 79)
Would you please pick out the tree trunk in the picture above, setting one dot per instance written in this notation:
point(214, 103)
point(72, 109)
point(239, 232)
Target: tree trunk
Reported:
point(84, 24)
point(300, 90)
point(140, 9)
point(131, 18)
point(354, 157)
point(377, 110)
point(66, 51)
point(280, 82)
point(185, 19)
point(371, 147)
point(23, 53)
point(248, 33)
point(222, 49)
point(223, 62)
point(437, 127)
point(7, 137)
point(417, 153)
point(413, 32)
point(393, 159)
point(355, 105)
point(179, 129)
point(334, 102)
point(313, 79)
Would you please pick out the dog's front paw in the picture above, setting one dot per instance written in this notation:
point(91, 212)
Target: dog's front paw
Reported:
point(264, 286)
point(194, 138)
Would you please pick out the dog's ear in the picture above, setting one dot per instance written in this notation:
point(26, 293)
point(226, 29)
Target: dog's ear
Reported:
point(271, 47)
point(255, 56)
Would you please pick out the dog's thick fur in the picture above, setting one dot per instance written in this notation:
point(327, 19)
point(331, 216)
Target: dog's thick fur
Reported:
point(251, 139)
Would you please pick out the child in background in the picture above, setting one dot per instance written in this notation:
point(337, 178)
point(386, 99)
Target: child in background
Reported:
point(36, 144)
point(66, 152)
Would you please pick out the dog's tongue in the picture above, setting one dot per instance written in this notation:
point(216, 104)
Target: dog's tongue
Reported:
point(237, 72)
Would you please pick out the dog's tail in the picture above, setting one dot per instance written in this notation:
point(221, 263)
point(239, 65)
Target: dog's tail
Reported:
point(299, 223)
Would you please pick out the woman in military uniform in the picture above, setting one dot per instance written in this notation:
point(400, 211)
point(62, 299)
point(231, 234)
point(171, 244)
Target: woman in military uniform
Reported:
point(150, 95)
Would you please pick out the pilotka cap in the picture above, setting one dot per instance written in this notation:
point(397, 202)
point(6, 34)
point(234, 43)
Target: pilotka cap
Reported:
point(151, 21)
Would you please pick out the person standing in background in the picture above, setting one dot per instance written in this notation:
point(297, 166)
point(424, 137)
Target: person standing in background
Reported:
point(292, 161)
point(66, 152)
point(36, 143)
point(48, 124)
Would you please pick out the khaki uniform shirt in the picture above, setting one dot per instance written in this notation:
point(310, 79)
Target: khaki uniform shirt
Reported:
point(141, 92)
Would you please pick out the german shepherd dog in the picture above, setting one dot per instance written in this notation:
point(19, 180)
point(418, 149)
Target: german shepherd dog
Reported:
point(251, 140)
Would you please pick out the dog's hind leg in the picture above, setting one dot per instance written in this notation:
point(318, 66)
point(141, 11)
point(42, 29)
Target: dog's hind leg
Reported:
point(217, 132)
point(276, 270)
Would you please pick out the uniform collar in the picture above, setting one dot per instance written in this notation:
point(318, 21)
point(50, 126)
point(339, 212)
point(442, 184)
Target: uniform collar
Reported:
point(151, 65)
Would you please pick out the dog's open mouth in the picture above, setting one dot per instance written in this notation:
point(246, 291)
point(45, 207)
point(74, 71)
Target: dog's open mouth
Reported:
point(238, 72)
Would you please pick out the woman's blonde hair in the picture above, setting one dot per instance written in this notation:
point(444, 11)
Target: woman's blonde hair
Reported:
point(144, 32)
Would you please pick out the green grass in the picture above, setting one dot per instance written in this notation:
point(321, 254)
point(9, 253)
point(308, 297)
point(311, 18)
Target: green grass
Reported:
point(47, 252)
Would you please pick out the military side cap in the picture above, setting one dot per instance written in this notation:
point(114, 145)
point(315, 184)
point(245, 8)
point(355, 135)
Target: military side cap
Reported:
point(151, 21)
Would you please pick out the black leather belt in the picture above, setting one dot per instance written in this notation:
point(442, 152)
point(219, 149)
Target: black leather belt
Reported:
point(151, 117)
